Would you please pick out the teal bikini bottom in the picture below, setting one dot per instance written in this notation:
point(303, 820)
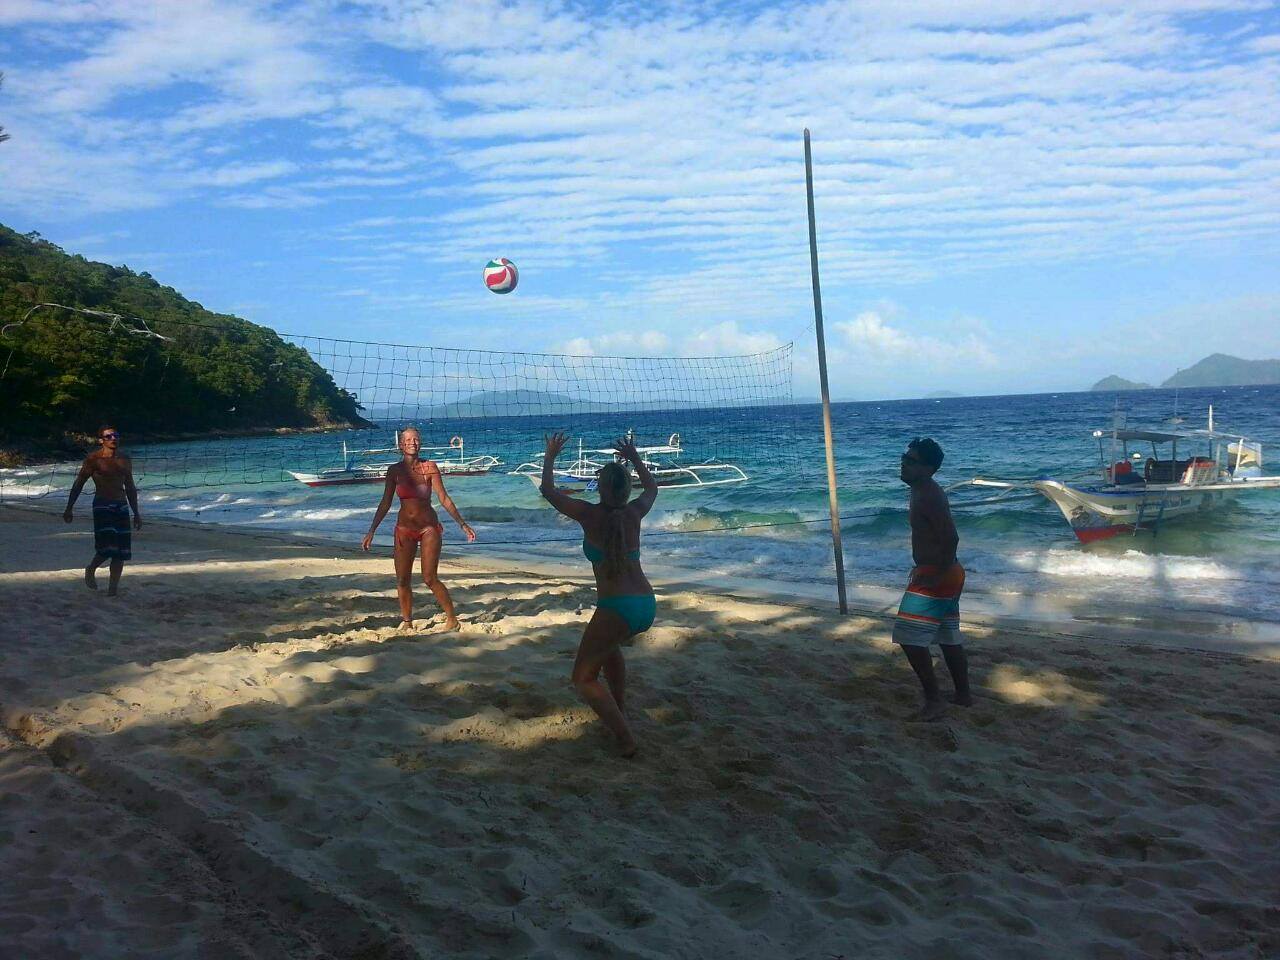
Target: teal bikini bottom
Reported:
point(637, 609)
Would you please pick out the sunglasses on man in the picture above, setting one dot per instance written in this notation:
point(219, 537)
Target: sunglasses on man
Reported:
point(111, 435)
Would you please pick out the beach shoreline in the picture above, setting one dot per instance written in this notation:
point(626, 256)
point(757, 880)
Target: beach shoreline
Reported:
point(241, 756)
point(1042, 614)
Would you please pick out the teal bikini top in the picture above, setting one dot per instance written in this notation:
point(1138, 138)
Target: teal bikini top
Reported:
point(596, 555)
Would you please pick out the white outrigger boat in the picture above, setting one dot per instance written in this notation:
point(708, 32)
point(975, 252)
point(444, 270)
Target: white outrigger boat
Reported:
point(580, 475)
point(356, 469)
point(1135, 494)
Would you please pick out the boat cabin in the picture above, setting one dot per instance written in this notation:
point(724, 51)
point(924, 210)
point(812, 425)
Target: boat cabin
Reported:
point(1220, 456)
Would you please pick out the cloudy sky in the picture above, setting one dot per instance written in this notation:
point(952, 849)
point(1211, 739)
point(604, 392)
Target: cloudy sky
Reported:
point(1012, 196)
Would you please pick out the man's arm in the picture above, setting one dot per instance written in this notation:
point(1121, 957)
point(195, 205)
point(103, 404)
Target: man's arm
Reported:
point(944, 526)
point(935, 514)
point(86, 471)
point(131, 492)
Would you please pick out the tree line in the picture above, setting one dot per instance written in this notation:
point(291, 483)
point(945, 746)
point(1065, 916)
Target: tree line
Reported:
point(64, 372)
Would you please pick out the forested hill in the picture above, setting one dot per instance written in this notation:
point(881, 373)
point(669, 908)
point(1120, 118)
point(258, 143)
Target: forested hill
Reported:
point(67, 372)
point(1221, 370)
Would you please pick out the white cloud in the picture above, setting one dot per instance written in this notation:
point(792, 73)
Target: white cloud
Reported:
point(239, 174)
point(726, 340)
point(878, 344)
point(647, 343)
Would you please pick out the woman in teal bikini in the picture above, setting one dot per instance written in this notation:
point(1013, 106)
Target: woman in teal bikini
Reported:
point(624, 598)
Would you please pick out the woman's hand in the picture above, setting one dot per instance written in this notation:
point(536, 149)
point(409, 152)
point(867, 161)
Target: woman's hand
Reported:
point(466, 528)
point(555, 443)
point(367, 542)
point(626, 448)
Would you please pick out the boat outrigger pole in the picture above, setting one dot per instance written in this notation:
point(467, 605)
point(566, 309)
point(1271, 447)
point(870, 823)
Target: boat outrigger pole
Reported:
point(822, 379)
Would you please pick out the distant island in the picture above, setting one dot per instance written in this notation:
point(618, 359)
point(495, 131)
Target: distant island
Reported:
point(1216, 370)
point(1221, 370)
point(537, 403)
point(211, 373)
point(942, 395)
point(1119, 383)
point(495, 403)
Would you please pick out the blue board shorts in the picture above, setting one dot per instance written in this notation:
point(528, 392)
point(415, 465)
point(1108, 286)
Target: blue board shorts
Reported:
point(112, 534)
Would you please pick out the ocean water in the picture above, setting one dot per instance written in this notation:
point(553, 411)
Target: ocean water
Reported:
point(1226, 563)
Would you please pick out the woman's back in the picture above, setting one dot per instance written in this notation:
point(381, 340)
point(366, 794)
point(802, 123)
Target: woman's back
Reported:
point(607, 530)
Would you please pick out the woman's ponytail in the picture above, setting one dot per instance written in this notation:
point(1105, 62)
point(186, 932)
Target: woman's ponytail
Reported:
point(614, 483)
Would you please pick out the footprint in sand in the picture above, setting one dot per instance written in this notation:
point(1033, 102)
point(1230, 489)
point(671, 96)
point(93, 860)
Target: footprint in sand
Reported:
point(741, 899)
point(500, 889)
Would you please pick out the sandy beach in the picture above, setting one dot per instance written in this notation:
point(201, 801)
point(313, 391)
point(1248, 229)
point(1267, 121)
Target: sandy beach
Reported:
point(241, 757)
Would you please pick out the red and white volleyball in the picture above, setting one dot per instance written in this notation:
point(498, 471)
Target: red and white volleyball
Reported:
point(500, 275)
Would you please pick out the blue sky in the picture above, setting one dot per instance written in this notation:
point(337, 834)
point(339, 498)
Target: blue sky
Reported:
point(1012, 196)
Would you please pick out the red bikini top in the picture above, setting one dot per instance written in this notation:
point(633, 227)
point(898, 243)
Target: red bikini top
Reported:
point(410, 491)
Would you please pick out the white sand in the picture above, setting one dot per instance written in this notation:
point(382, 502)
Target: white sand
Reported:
point(241, 757)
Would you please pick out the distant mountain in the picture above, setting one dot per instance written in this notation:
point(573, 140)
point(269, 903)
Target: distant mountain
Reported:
point(529, 403)
point(1221, 370)
point(1119, 383)
point(494, 403)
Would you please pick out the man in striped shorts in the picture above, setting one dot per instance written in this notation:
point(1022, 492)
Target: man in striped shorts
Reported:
point(930, 608)
point(113, 496)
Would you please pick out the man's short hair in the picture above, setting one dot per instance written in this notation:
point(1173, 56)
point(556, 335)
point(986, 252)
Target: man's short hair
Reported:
point(927, 449)
point(105, 427)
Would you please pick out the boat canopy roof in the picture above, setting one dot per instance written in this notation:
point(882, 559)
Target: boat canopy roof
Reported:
point(1151, 436)
point(1166, 436)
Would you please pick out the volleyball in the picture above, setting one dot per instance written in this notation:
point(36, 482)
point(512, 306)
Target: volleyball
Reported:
point(500, 275)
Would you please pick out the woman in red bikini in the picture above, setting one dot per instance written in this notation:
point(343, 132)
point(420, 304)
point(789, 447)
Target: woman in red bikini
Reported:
point(415, 480)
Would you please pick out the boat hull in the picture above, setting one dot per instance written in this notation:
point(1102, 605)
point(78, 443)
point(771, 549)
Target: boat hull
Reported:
point(340, 478)
point(314, 480)
point(1099, 513)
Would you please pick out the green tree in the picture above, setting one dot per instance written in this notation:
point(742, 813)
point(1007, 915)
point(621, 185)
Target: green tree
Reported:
point(64, 371)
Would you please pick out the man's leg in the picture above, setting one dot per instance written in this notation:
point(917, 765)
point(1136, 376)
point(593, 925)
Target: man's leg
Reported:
point(90, 580)
point(117, 567)
point(958, 665)
point(921, 659)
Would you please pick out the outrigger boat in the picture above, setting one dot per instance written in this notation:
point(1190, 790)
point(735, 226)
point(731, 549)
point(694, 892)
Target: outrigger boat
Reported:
point(356, 469)
point(580, 475)
point(1140, 494)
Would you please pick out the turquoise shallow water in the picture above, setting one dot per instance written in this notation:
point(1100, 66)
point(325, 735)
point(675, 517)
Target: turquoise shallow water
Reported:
point(1226, 563)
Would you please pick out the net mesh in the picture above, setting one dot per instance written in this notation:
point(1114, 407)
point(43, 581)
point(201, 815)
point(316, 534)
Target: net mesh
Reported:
point(480, 412)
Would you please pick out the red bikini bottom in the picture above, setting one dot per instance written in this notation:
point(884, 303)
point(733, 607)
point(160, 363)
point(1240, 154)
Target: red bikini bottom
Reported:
point(406, 536)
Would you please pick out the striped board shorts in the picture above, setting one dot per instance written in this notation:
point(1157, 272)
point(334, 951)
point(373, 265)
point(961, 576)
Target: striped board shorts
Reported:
point(930, 614)
point(112, 535)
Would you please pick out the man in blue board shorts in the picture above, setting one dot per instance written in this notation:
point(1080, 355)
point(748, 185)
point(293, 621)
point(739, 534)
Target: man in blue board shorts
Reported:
point(930, 608)
point(114, 494)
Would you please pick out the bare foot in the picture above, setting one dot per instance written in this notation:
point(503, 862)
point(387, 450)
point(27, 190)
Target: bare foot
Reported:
point(931, 712)
point(451, 625)
point(405, 626)
point(90, 580)
point(112, 591)
point(962, 700)
point(628, 749)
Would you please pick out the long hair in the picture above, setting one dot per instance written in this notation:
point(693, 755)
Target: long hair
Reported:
point(614, 483)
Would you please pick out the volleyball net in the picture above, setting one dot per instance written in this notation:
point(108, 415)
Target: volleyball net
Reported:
point(223, 405)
